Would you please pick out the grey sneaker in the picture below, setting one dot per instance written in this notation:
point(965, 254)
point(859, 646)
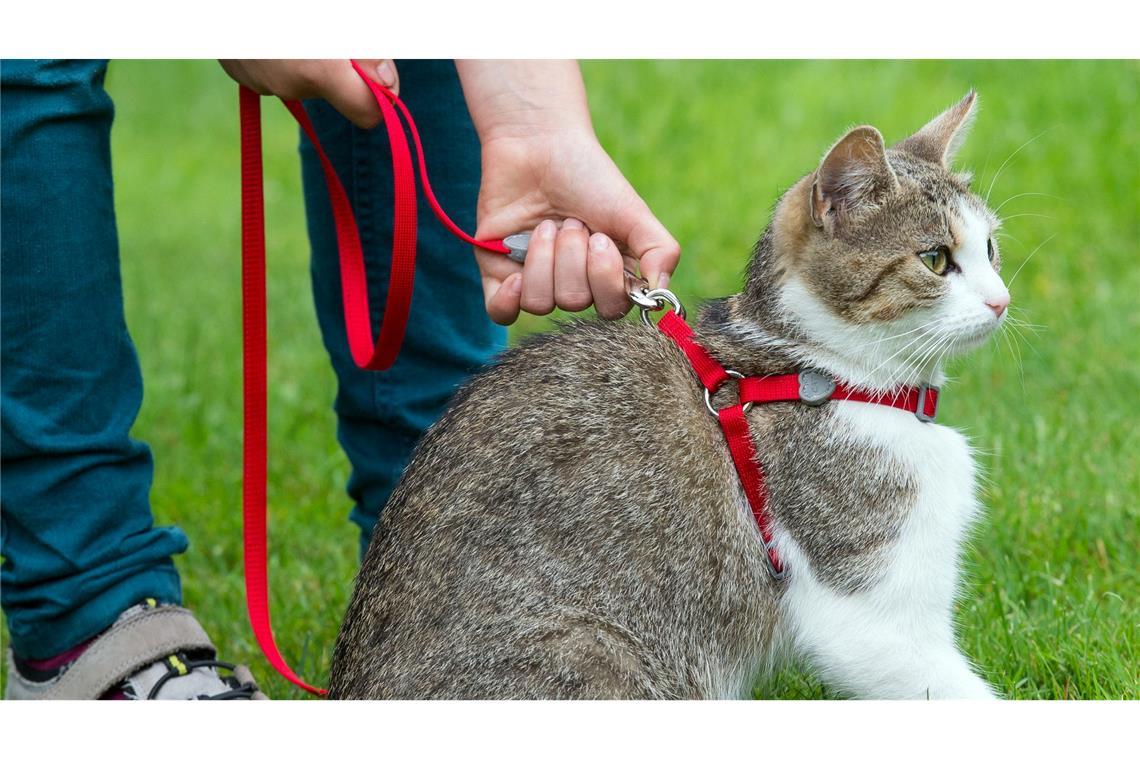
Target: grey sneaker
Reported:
point(151, 651)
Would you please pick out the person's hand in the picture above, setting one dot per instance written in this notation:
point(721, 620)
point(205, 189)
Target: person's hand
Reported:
point(541, 161)
point(530, 180)
point(333, 80)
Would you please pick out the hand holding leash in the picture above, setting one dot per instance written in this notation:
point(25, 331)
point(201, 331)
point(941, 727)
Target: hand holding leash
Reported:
point(638, 290)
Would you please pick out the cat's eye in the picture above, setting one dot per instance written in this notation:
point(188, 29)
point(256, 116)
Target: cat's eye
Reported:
point(937, 260)
point(990, 249)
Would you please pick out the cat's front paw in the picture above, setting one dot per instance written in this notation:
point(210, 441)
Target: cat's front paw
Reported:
point(968, 686)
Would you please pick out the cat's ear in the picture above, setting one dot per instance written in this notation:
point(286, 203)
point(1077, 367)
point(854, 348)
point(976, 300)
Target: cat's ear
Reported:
point(854, 175)
point(940, 139)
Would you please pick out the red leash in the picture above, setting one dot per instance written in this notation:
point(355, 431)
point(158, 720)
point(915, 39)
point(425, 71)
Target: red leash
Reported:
point(366, 353)
point(380, 354)
point(808, 387)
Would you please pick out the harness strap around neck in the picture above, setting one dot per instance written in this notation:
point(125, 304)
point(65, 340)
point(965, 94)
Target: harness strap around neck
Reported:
point(764, 390)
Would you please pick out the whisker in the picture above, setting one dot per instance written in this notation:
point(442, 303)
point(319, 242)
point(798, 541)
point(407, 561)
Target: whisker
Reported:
point(883, 363)
point(1027, 213)
point(1020, 360)
point(1014, 311)
point(920, 355)
point(1019, 334)
point(1023, 325)
point(1023, 195)
point(1027, 258)
point(1004, 234)
point(997, 174)
point(938, 354)
point(1015, 354)
point(900, 335)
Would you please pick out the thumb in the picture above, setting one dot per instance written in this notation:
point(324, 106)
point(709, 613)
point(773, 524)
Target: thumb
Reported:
point(648, 241)
point(382, 71)
point(352, 97)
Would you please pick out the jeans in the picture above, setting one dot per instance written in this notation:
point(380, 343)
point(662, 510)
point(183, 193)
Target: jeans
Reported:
point(79, 543)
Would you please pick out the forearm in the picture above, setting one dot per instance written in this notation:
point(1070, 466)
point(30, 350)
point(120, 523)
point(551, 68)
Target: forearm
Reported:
point(522, 99)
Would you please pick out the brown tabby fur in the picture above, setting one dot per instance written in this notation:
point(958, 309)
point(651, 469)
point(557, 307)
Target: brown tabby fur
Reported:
point(573, 526)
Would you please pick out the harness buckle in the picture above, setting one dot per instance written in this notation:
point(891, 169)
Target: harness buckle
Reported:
point(816, 388)
point(772, 571)
point(920, 408)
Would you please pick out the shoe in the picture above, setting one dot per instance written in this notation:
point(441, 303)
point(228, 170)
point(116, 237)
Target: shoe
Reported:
point(152, 651)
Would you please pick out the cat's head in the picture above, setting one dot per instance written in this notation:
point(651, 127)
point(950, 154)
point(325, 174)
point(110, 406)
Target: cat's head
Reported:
point(884, 257)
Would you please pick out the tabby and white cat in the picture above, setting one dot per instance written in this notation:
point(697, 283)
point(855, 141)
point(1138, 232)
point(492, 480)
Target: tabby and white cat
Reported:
point(574, 528)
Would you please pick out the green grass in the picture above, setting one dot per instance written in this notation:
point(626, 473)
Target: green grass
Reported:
point(1049, 610)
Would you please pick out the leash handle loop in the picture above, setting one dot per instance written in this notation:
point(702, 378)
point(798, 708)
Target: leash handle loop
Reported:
point(366, 353)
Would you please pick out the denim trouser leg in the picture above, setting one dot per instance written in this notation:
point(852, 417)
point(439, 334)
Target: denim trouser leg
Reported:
point(382, 414)
point(78, 540)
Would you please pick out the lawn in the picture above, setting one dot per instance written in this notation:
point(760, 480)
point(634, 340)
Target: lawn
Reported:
point(1049, 609)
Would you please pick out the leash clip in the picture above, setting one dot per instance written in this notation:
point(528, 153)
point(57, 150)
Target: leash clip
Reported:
point(638, 291)
point(644, 297)
point(659, 297)
point(516, 246)
point(920, 407)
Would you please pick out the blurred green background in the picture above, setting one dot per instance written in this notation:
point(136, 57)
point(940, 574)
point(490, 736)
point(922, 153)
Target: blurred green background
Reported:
point(1049, 607)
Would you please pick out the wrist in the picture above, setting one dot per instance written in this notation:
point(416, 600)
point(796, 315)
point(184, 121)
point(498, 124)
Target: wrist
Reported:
point(522, 113)
point(511, 100)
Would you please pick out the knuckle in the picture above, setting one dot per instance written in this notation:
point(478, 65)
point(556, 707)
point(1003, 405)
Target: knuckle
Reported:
point(539, 306)
point(575, 300)
point(305, 79)
point(503, 319)
point(573, 236)
point(368, 120)
point(610, 312)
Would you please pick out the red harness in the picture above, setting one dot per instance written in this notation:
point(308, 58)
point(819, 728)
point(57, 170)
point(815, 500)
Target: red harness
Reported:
point(808, 387)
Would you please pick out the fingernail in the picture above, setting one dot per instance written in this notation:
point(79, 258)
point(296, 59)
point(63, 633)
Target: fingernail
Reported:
point(386, 74)
point(599, 242)
point(546, 230)
point(514, 284)
point(572, 224)
point(663, 280)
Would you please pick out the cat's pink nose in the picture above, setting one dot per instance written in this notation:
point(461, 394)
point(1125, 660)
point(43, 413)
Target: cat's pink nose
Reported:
point(998, 304)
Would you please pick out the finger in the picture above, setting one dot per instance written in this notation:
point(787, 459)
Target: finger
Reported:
point(650, 243)
point(502, 298)
point(380, 70)
point(239, 72)
point(607, 281)
point(538, 272)
point(571, 284)
point(345, 91)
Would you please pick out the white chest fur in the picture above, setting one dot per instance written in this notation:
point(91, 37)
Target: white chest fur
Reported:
point(924, 563)
point(896, 638)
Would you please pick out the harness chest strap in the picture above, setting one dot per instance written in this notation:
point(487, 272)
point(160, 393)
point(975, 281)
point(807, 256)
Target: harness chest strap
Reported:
point(808, 387)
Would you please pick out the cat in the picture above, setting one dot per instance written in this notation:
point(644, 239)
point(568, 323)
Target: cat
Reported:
point(573, 527)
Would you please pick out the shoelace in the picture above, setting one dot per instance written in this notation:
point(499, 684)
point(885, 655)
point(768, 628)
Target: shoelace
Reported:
point(240, 691)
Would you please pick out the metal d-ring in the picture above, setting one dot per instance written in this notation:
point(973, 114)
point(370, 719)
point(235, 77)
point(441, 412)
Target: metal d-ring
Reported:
point(708, 394)
point(659, 297)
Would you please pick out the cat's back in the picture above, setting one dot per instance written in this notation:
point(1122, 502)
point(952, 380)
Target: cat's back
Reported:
point(572, 515)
